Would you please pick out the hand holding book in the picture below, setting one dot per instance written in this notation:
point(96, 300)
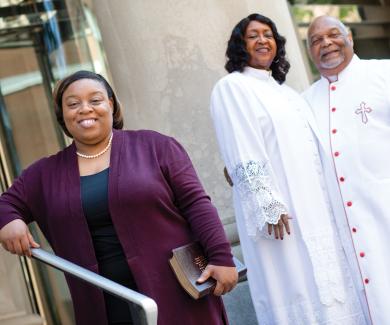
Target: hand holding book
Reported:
point(225, 276)
point(199, 278)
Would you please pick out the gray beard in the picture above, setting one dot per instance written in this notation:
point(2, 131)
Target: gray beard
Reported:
point(332, 63)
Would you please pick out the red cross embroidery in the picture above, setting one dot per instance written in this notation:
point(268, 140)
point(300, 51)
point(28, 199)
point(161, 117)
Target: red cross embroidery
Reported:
point(363, 110)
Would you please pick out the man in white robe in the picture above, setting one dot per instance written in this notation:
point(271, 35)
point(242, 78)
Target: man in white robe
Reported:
point(351, 105)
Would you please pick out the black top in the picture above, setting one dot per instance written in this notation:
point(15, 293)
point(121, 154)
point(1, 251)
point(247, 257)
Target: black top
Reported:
point(94, 197)
point(108, 249)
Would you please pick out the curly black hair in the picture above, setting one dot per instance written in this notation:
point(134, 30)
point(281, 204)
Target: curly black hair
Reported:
point(63, 84)
point(238, 56)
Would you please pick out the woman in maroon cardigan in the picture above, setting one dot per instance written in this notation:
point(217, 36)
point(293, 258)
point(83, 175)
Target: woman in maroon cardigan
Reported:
point(117, 203)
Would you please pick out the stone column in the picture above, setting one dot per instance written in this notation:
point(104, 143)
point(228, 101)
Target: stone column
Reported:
point(165, 57)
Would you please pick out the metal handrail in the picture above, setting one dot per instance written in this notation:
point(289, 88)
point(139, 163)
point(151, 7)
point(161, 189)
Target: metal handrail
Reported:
point(148, 305)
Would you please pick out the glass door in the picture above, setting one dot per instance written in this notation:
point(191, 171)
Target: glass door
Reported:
point(41, 41)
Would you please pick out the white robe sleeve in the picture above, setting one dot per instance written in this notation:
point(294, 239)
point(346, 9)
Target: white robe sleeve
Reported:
point(235, 113)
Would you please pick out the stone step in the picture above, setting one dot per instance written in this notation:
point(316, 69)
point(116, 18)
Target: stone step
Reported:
point(239, 306)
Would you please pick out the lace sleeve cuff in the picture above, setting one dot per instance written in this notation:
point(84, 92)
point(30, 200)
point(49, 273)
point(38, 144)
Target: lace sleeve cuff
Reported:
point(260, 203)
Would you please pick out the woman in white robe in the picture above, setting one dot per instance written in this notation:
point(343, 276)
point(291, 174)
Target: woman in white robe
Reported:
point(269, 146)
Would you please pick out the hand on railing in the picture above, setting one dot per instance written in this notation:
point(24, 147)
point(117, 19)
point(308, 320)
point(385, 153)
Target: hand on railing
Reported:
point(147, 304)
point(15, 237)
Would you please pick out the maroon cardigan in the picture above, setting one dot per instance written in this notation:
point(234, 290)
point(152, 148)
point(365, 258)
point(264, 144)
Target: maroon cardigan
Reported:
point(156, 203)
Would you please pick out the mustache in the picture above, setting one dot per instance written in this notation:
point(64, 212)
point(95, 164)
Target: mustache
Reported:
point(327, 51)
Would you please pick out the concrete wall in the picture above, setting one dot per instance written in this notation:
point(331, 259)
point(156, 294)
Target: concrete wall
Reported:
point(165, 57)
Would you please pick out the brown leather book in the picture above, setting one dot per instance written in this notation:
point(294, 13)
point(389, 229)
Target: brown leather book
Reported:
point(188, 262)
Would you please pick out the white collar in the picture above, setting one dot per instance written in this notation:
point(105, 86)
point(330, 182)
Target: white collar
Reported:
point(345, 73)
point(333, 78)
point(260, 74)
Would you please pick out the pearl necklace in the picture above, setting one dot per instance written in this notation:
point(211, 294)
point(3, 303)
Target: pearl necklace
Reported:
point(99, 153)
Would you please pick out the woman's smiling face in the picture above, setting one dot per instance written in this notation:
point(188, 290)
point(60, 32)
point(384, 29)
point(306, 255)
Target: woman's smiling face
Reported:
point(260, 44)
point(87, 111)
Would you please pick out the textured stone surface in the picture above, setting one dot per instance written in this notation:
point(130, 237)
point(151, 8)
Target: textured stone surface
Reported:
point(166, 56)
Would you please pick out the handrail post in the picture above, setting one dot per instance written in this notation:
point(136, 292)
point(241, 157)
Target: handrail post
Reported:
point(148, 305)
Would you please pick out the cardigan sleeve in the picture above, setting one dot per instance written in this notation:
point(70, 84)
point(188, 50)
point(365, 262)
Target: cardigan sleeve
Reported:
point(236, 115)
point(13, 202)
point(194, 204)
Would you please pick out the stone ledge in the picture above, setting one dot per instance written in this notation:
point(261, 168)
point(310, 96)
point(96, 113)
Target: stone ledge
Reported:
point(23, 320)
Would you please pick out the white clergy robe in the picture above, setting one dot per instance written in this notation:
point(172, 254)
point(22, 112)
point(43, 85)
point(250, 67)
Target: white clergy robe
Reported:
point(268, 146)
point(353, 116)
